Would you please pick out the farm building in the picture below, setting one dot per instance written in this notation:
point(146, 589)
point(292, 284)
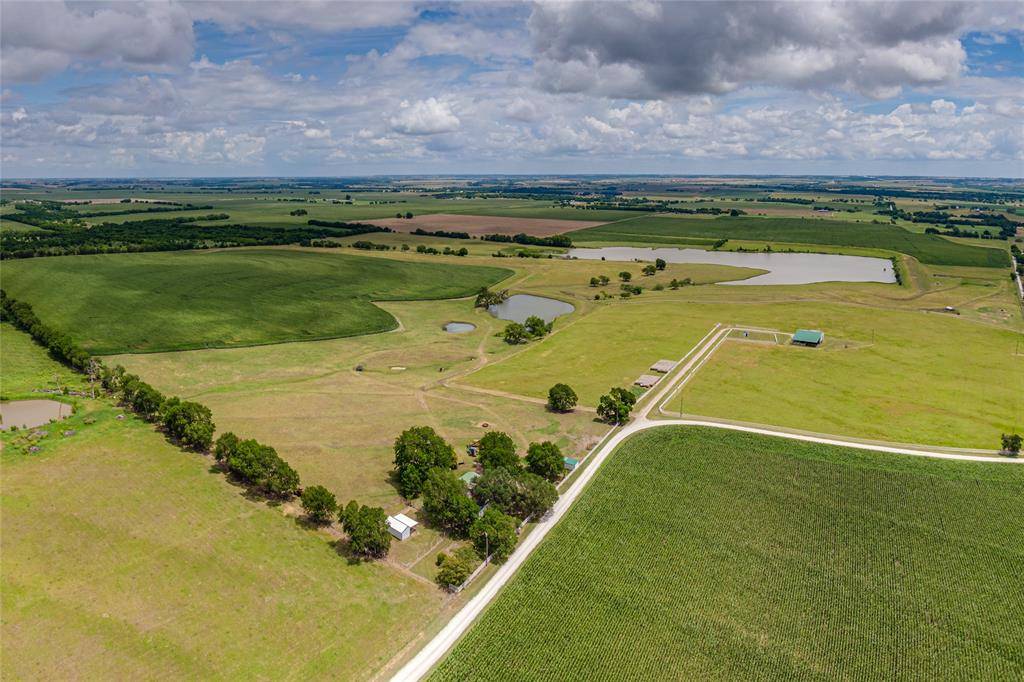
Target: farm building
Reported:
point(646, 380)
point(663, 366)
point(570, 463)
point(808, 337)
point(401, 526)
point(469, 478)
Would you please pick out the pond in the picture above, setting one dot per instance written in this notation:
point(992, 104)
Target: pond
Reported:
point(521, 306)
point(783, 268)
point(26, 414)
point(459, 327)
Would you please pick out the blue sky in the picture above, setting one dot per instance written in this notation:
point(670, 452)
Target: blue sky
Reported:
point(336, 88)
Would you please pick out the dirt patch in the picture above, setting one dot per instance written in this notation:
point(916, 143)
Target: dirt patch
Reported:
point(479, 224)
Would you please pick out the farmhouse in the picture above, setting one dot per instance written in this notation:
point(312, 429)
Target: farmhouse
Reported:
point(663, 366)
point(401, 526)
point(646, 380)
point(808, 337)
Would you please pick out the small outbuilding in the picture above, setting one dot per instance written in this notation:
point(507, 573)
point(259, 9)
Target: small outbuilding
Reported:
point(570, 463)
point(401, 526)
point(663, 366)
point(808, 337)
point(646, 380)
point(469, 478)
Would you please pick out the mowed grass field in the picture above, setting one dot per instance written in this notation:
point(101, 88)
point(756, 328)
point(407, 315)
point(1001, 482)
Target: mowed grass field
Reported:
point(902, 375)
point(707, 554)
point(124, 557)
point(668, 230)
point(239, 297)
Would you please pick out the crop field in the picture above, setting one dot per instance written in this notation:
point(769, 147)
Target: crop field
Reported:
point(482, 224)
point(967, 380)
point(181, 300)
point(132, 560)
point(925, 247)
point(829, 563)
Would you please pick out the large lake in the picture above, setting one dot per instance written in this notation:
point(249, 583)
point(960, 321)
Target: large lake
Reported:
point(521, 306)
point(31, 413)
point(783, 268)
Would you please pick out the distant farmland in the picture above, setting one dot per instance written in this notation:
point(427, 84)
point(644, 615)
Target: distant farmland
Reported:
point(186, 300)
point(926, 248)
point(704, 554)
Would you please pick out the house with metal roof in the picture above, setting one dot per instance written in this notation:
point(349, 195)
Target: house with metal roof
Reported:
point(570, 463)
point(401, 526)
point(469, 478)
point(808, 337)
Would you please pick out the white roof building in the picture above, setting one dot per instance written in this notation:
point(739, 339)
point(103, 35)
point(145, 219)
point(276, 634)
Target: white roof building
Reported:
point(401, 526)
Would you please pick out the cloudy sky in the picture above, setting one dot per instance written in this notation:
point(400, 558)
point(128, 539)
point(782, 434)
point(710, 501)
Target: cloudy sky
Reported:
point(336, 88)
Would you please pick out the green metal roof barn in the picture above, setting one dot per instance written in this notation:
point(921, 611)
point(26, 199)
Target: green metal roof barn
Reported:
point(808, 337)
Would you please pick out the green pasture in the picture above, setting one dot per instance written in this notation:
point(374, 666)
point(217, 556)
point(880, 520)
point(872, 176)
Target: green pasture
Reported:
point(127, 558)
point(25, 367)
point(713, 555)
point(672, 230)
point(238, 297)
point(889, 374)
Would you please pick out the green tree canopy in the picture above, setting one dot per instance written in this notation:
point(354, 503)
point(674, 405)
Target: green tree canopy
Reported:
point(367, 529)
point(514, 333)
point(515, 492)
point(561, 398)
point(497, 449)
point(417, 451)
point(446, 502)
point(494, 532)
point(545, 459)
point(319, 503)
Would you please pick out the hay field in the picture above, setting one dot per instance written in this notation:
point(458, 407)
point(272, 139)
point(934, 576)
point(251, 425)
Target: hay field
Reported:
point(829, 563)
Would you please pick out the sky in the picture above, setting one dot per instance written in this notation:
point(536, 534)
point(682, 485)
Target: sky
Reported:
point(173, 89)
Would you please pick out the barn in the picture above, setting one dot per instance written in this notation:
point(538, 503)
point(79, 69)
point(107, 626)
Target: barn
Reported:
point(401, 526)
point(808, 337)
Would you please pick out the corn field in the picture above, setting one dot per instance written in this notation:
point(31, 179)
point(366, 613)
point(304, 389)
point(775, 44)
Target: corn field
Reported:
point(708, 554)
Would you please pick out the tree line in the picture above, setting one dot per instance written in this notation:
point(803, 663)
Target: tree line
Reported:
point(558, 240)
point(175, 234)
point(190, 425)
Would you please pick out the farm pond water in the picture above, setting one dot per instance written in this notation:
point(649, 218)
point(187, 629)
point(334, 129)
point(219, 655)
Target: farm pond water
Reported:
point(26, 414)
point(783, 268)
point(521, 306)
point(459, 327)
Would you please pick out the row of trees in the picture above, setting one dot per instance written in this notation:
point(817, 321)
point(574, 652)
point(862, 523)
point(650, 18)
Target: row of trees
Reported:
point(558, 240)
point(164, 234)
point(59, 344)
point(190, 425)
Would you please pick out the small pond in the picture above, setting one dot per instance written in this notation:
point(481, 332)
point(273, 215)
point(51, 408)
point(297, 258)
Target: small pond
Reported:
point(26, 414)
point(459, 327)
point(521, 306)
point(783, 268)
